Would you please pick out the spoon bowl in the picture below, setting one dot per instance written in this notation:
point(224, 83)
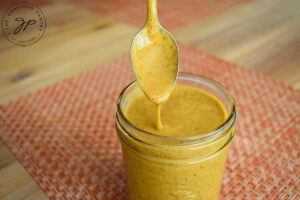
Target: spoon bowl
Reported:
point(154, 57)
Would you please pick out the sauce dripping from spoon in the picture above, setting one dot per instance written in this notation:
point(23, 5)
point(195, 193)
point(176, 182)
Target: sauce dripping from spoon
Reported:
point(154, 56)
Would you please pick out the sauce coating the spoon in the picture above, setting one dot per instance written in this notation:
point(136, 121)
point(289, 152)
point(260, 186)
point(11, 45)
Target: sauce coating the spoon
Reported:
point(154, 57)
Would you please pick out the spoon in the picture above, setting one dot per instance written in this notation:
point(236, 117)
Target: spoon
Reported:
point(154, 57)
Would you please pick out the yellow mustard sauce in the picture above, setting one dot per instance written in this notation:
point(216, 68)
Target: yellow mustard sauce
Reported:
point(168, 173)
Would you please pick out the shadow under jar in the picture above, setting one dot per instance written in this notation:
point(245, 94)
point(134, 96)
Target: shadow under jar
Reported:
point(167, 168)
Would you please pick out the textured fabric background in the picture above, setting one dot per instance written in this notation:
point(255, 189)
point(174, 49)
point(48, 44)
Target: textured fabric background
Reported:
point(64, 135)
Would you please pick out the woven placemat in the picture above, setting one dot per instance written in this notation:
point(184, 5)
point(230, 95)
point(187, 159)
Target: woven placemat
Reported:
point(64, 135)
point(173, 14)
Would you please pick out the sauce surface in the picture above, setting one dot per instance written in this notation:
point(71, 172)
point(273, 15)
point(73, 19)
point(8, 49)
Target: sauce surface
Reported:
point(188, 112)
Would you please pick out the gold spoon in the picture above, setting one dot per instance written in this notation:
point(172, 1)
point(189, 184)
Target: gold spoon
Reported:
point(154, 57)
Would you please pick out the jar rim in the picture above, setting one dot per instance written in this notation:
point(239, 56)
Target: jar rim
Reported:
point(214, 133)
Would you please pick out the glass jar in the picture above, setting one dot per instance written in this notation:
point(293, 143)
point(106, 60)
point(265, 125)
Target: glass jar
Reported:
point(166, 168)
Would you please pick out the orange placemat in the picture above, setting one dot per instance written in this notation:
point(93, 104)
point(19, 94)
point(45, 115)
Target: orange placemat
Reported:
point(173, 14)
point(64, 135)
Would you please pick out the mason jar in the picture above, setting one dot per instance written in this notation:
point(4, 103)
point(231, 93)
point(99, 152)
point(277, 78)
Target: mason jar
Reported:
point(167, 168)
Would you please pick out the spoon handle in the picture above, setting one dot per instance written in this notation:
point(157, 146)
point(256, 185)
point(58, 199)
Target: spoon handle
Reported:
point(152, 18)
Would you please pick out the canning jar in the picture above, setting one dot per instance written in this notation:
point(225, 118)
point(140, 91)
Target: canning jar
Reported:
point(167, 168)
